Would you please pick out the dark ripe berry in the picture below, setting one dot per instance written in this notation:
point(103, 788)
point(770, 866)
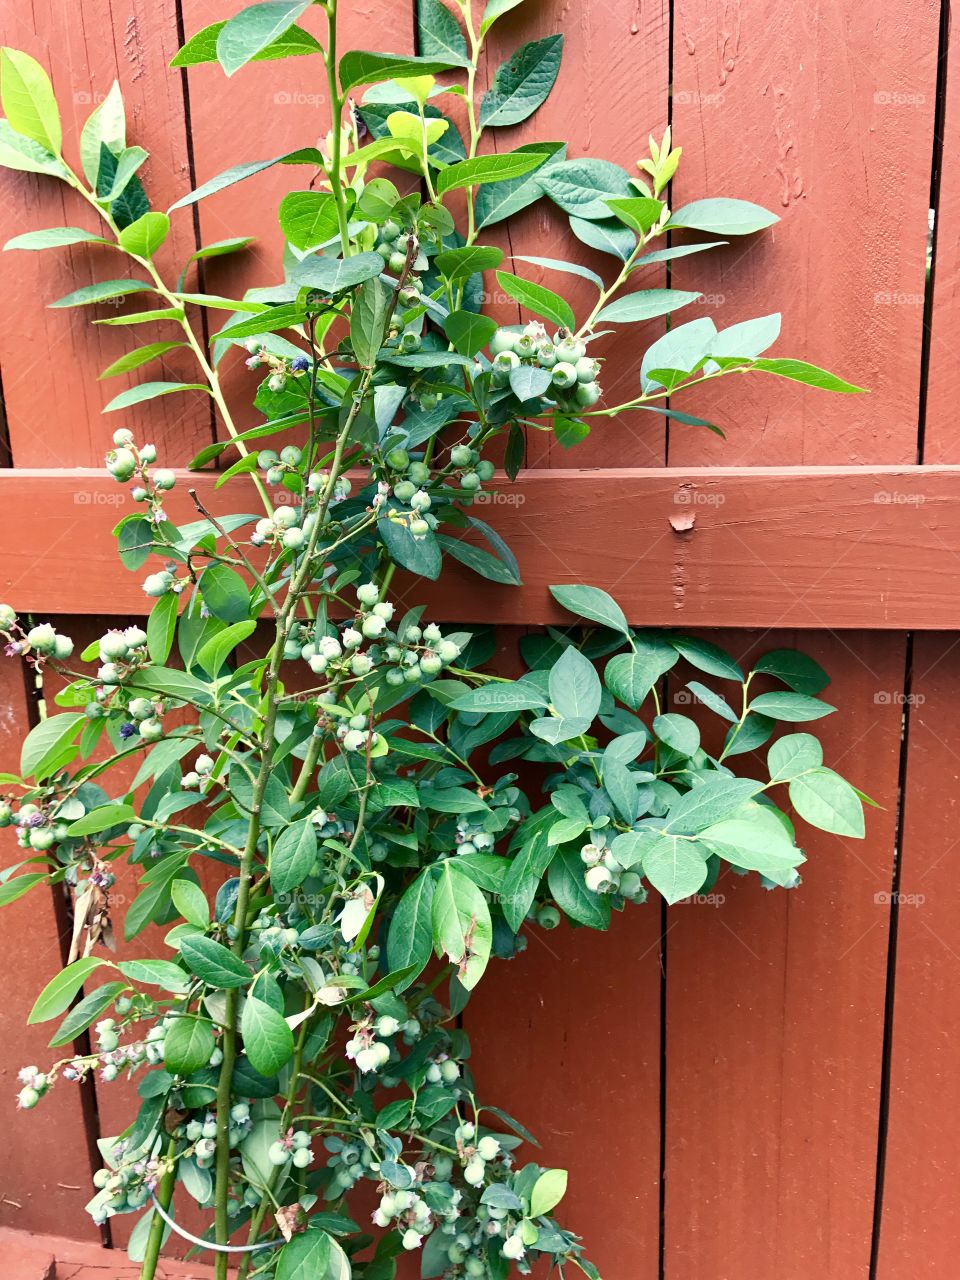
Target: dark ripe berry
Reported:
point(300, 364)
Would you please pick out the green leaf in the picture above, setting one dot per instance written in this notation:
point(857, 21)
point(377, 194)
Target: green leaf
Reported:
point(723, 216)
point(592, 603)
point(239, 173)
point(719, 706)
point(336, 275)
point(709, 802)
point(145, 236)
point(252, 30)
point(825, 800)
point(523, 879)
point(86, 1012)
point(795, 669)
point(267, 1039)
point(213, 963)
point(14, 889)
point(512, 695)
point(538, 299)
point(306, 1256)
point(49, 745)
point(225, 593)
point(794, 707)
point(218, 248)
point(496, 9)
point(501, 567)
point(156, 973)
point(54, 238)
point(548, 1190)
point(631, 676)
point(141, 356)
point(102, 292)
point(793, 754)
point(410, 938)
point(27, 156)
point(747, 339)
point(461, 264)
point(462, 928)
point(59, 992)
point(102, 819)
point(145, 317)
point(557, 264)
point(755, 841)
point(439, 34)
point(214, 652)
point(308, 218)
point(483, 169)
point(582, 187)
point(115, 177)
point(368, 319)
point(419, 555)
point(105, 129)
point(639, 213)
point(28, 99)
point(522, 83)
point(645, 304)
point(675, 867)
point(162, 627)
point(808, 374)
point(575, 686)
point(360, 66)
point(566, 883)
point(678, 732)
point(294, 856)
point(468, 331)
point(149, 391)
point(707, 657)
point(188, 1045)
point(497, 202)
point(528, 382)
point(606, 235)
point(190, 900)
point(294, 42)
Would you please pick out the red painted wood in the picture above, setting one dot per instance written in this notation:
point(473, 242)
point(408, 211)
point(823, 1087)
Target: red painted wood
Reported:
point(812, 110)
point(52, 358)
point(46, 1170)
point(775, 1014)
point(808, 547)
point(920, 1226)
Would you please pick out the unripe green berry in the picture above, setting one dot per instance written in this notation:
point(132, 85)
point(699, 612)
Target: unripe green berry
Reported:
point(470, 481)
point(398, 459)
point(503, 340)
point(404, 491)
point(396, 262)
point(461, 455)
point(419, 473)
point(587, 394)
point(564, 374)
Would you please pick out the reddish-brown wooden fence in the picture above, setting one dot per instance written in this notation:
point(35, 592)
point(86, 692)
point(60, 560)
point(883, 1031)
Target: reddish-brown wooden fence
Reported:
point(768, 1085)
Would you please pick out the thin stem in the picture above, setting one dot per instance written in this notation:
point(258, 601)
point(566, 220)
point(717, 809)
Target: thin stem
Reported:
point(157, 1225)
point(336, 114)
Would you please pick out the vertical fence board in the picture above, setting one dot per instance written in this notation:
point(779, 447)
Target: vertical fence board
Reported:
point(46, 1171)
point(920, 1224)
point(775, 1024)
point(823, 114)
point(51, 359)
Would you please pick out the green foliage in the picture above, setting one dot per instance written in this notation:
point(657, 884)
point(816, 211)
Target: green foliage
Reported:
point(312, 787)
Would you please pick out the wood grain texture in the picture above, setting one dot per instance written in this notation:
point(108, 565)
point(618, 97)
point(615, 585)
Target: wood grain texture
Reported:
point(805, 547)
point(50, 359)
point(920, 1224)
point(587, 1087)
point(46, 1169)
point(823, 114)
point(775, 1011)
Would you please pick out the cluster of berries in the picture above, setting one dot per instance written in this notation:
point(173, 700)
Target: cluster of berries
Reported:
point(292, 1148)
point(35, 1085)
point(125, 1188)
point(350, 1163)
point(128, 461)
point(573, 373)
point(41, 641)
point(280, 367)
point(393, 245)
point(37, 829)
point(604, 874)
point(199, 775)
point(367, 1046)
point(419, 653)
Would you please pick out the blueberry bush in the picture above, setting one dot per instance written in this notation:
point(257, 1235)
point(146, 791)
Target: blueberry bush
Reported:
point(348, 776)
